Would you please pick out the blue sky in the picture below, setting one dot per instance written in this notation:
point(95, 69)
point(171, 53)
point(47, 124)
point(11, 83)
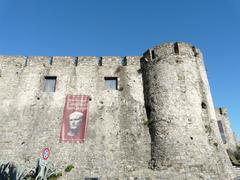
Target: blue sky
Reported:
point(129, 27)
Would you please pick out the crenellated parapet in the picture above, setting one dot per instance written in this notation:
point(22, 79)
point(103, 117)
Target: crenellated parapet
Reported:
point(168, 49)
point(25, 61)
point(18, 61)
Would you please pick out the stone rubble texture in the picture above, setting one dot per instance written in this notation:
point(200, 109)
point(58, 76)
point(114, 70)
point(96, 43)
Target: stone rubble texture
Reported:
point(159, 124)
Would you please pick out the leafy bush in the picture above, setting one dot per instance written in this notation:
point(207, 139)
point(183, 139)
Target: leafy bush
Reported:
point(69, 168)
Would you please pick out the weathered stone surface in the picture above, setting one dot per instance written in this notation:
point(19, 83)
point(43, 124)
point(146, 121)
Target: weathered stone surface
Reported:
point(175, 107)
point(117, 139)
point(181, 113)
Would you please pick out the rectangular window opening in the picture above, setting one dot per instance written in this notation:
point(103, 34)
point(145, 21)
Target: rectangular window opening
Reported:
point(50, 83)
point(220, 127)
point(111, 83)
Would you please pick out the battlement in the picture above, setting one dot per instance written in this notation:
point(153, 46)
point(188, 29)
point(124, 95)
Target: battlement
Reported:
point(168, 49)
point(222, 111)
point(158, 52)
point(24, 61)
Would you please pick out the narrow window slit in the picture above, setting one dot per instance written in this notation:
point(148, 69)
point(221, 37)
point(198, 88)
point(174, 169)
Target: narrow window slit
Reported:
point(99, 61)
point(222, 133)
point(194, 51)
point(176, 48)
point(153, 54)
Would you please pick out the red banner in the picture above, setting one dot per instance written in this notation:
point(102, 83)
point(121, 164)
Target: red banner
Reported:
point(75, 118)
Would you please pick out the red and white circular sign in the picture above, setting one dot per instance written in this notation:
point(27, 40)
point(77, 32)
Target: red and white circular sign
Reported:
point(45, 153)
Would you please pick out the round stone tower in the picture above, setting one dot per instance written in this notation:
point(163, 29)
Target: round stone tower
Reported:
point(181, 116)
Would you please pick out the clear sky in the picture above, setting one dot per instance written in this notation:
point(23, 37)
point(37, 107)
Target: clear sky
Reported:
point(129, 27)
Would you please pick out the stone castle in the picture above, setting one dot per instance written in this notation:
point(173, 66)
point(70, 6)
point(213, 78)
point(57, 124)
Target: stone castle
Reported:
point(150, 116)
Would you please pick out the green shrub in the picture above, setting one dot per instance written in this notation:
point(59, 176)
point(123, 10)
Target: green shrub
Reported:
point(69, 168)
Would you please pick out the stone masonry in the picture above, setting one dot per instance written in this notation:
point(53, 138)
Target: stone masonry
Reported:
point(160, 122)
point(182, 119)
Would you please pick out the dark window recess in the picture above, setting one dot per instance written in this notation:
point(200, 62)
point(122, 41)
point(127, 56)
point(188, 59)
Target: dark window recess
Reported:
point(99, 61)
point(153, 54)
point(221, 130)
point(220, 110)
point(204, 106)
point(176, 48)
point(124, 61)
point(194, 51)
point(111, 83)
point(50, 83)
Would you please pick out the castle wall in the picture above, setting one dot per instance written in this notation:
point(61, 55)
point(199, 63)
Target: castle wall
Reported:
point(160, 122)
point(182, 121)
point(117, 140)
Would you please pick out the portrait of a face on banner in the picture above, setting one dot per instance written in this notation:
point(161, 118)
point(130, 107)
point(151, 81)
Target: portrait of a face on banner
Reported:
point(75, 118)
